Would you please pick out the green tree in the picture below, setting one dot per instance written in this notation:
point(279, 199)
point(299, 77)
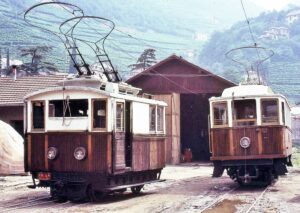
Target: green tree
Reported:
point(37, 62)
point(146, 60)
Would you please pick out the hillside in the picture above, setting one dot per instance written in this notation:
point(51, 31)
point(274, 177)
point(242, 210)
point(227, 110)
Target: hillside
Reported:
point(167, 26)
point(271, 30)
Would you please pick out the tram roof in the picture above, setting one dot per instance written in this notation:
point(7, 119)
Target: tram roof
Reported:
point(247, 90)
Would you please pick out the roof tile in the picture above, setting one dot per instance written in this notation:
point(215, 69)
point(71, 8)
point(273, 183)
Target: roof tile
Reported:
point(12, 91)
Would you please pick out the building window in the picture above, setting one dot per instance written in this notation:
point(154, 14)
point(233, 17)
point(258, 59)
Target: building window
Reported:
point(152, 118)
point(38, 115)
point(244, 112)
point(99, 114)
point(269, 111)
point(220, 114)
point(120, 117)
point(160, 119)
point(68, 108)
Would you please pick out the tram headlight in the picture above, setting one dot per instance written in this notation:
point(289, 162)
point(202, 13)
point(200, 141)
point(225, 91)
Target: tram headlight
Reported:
point(52, 153)
point(79, 153)
point(245, 142)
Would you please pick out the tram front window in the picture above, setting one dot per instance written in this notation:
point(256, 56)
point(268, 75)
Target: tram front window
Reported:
point(68, 108)
point(269, 109)
point(220, 114)
point(244, 112)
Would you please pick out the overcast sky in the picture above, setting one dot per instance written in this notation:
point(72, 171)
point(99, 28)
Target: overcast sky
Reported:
point(274, 4)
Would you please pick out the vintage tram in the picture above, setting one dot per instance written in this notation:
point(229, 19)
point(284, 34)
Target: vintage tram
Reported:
point(250, 134)
point(85, 138)
point(91, 134)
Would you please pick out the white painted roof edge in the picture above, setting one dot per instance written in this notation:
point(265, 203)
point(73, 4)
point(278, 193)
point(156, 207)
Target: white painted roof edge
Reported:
point(90, 89)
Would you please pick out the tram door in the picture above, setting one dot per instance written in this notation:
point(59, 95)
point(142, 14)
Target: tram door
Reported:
point(128, 134)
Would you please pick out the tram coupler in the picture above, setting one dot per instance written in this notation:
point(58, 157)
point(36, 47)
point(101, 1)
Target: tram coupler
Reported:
point(247, 177)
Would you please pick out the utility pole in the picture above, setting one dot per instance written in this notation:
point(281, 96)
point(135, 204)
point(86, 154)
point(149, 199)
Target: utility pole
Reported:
point(7, 60)
point(0, 63)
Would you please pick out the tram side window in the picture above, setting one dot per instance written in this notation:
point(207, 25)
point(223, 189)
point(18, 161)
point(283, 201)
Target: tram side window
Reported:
point(269, 109)
point(38, 112)
point(220, 114)
point(160, 119)
point(99, 114)
point(68, 108)
point(152, 118)
point(244, 112)
point(120, 117)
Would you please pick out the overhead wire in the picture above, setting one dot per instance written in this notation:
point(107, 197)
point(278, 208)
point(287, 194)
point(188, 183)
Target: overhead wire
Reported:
point(155, 71)
point(252, 36)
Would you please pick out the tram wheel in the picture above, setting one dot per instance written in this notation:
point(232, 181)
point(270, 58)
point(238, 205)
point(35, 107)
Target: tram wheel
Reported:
point(56, 197)
point(94, 196)
point(136, 189)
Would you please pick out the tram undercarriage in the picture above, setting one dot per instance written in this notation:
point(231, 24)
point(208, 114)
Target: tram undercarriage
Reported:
point(79, 186)
point(248, 172)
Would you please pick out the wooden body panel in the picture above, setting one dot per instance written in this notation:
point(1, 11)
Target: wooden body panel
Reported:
point(37, 152)
point(96, 144)
point(119, 152)
point(104, 154)
point(266, 142)
point(148, 152)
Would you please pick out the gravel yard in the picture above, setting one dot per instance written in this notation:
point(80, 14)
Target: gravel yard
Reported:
point(188, 188)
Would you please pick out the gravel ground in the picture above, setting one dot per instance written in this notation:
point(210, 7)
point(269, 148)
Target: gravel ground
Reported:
point(188, 188)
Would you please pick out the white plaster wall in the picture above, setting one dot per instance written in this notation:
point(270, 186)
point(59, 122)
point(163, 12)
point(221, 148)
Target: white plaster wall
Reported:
point(69, 124)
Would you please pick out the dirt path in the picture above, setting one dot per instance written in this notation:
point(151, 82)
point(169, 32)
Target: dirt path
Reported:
point(188, 188)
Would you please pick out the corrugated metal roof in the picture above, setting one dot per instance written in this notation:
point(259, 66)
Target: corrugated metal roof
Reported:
point(13, 91)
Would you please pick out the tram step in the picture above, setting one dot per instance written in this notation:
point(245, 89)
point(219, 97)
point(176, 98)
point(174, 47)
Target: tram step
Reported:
point(132, 185)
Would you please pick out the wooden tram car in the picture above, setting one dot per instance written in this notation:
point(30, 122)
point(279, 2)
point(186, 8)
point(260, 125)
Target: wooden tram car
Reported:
point(250, 134)
point(85, 138)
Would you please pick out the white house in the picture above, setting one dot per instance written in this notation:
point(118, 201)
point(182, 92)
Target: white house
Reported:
point(292, 16)
point(276, 33)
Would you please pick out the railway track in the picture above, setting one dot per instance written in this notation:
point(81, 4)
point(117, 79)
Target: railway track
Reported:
point(28, 204)
point(246, 208)
point(217, 200)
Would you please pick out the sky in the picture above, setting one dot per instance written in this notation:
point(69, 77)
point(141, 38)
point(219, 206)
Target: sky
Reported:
point(274, 4)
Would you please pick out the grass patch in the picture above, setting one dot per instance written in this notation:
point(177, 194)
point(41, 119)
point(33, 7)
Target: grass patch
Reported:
point(296, 155)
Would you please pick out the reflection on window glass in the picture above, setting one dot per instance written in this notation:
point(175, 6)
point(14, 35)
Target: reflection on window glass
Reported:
point(38, 115)
point(99, 114)
point(244, 112)
point(120, 117)
point(152, 118)
point(269, 109)
point(160, 119)
point(220, 113)
point(68, 108)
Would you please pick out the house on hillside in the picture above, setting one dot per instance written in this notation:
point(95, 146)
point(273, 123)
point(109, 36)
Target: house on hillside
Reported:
point(276, 33)
point(12, 93)
point(292, 16)
point(186, 88)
